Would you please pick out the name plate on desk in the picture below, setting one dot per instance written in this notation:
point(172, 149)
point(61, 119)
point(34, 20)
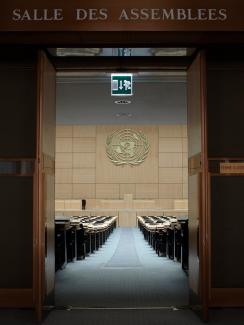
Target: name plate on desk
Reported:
point(232, 168)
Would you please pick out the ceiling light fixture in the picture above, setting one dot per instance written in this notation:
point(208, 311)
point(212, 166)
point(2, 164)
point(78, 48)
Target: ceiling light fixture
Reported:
point(123, 102)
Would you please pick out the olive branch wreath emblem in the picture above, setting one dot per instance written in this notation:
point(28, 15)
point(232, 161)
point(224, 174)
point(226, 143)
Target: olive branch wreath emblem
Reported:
point(127, 147)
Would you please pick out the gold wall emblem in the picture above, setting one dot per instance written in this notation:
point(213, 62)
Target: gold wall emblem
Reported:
point(127, 147)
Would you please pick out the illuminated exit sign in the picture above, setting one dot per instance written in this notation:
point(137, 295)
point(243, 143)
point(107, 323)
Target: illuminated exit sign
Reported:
point(121, 84)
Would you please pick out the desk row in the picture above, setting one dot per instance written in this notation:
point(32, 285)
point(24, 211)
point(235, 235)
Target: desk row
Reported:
point(168, 236)
point(77, 237)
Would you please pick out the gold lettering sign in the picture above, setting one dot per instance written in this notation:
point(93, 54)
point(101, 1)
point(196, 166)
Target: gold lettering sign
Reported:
point(107, 15)
point(231, 168)
point(127, 147)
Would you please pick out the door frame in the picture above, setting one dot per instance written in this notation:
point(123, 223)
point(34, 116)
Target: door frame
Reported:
point(147, 64)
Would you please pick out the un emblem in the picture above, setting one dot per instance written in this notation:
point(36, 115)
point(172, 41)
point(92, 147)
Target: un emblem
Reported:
point(127, 147)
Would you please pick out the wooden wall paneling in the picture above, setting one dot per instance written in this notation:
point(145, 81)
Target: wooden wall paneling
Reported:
point(149, 213)
point(111, 204)
point(84, 160)
point(64, 131)
point(166, 203)
point(72, 204)
point(170, 191)
point(103, 212)
point(84, 191)
point(169, 213)
point(146, 191)
point(82, 163)
point(64, 176)
point(170, 175)
point(170, 145)
point(181, 204)
point(91, 203)
point(59, 204)
point(84, 145)
point(63, 160)
point(84, 131)
point(64, 145)
point(84, 175)
point(144, 204)
point(107, 191)
point(63, 191)
point(127, 189)
point(170, 159)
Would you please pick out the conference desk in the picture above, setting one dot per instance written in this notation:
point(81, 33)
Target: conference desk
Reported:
point(168, 236)
point(126, 217)
point(76, 237)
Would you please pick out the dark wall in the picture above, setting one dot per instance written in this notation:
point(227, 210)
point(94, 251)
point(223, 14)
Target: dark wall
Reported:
point(16, 232)
point(18, 105)
point(225, 102)
point(227, 231)
point(225, 113)
point(18, 102)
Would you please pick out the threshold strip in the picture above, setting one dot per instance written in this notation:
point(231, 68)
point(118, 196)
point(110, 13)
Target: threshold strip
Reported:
point(70, 308)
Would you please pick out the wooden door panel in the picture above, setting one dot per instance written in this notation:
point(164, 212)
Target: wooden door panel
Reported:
point(198, 185)
point(45, 183)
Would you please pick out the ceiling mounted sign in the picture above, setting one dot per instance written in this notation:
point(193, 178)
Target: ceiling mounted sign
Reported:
point(126, 15)
point(121, 84)
point(127, 147)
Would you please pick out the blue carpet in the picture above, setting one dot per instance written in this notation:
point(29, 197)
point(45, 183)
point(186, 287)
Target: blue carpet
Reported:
point(125, 254)
point(91, 283)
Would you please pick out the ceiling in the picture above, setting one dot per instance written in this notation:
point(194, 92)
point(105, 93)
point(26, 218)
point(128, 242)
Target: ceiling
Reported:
point(159, 98)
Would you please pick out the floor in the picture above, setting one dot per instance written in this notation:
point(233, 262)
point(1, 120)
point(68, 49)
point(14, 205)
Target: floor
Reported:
point(122, 317)
point(125, 272)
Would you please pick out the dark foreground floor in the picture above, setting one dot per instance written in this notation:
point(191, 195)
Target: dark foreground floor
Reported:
point(123, 317)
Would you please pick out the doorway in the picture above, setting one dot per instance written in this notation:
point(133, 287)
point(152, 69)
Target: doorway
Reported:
point(128, 270)
point(171, 73)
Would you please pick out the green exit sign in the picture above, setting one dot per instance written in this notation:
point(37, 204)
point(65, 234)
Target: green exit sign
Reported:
point(121, 84)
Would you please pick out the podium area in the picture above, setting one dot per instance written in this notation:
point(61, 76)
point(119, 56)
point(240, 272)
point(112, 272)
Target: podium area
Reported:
point(125, 210)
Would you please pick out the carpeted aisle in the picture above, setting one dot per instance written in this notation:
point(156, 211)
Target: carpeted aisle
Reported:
point(125, 254)
point(125, 272)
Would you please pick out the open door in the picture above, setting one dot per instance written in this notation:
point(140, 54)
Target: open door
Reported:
point(44, 264)
point(198, 186)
